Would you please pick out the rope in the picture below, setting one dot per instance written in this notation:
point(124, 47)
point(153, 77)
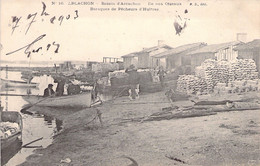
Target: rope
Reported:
point(98, 115)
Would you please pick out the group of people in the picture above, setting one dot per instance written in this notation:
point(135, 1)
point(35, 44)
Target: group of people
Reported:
point(71, 89)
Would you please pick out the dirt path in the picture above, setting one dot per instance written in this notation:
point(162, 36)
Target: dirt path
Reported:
point(227, 138)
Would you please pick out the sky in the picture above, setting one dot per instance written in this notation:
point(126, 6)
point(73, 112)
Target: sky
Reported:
point(91, 35)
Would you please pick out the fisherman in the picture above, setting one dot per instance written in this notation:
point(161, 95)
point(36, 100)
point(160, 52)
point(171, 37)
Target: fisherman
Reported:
point(60, 87)
point(133, 81)
point(73, 89)
point(161, 74)
point(48, 91)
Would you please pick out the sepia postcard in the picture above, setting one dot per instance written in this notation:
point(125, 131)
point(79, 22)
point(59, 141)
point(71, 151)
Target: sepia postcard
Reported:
point(130, 82)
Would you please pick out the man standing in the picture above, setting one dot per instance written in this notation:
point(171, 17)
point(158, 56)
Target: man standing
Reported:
point(60, 87)
point(161, 74)
point(48, 91)
point(133, 81)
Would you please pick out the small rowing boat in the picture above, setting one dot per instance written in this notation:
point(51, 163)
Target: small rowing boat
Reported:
point(21, 84)
point(11, 128)
point(78, 100)
point(10, 151)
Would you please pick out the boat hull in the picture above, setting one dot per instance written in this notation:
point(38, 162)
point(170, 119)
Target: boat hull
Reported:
point(8, 152)
point(79, 100)
point(21, 84)
point(5, 143)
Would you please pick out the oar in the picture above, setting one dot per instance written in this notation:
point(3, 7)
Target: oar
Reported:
point(32, 147)
point(27, 107)
point(32, 142)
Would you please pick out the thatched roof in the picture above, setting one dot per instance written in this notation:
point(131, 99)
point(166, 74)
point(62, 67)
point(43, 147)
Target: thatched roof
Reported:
point(250, 45)
point(179, 50)
point(214, 47)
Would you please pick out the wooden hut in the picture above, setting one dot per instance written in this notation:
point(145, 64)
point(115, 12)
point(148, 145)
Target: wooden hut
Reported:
point(250, 50)
point(146, 57)
point(177, 57)
point(223, 51)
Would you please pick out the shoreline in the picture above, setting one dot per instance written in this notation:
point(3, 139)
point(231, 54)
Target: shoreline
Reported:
point(94, 144)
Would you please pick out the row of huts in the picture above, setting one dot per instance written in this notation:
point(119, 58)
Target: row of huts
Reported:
point(192, 55)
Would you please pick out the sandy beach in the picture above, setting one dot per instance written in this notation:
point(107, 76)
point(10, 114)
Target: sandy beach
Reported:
point(225, 138)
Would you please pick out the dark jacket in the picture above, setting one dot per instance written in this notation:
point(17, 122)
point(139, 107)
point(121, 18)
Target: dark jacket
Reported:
point(73, 89)
point(133, 76)
point(46, 92)
point(60, 87)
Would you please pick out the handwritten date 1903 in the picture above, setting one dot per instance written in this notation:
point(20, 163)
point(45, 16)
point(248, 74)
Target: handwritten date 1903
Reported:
point(16, 20)
point(29, 50)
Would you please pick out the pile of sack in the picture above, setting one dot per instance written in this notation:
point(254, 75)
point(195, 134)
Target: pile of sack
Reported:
point(7, 129)
point(191, 84)
point(223, 71)
point(243, 69)
point(221, 76)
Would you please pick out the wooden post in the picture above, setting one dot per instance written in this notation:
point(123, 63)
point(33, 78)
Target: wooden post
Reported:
point(1, 108)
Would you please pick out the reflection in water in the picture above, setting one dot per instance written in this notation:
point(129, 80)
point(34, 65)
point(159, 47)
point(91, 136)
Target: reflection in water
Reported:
point(48, 119)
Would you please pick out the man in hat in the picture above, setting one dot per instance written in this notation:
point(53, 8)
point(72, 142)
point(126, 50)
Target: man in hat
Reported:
point(48, 91)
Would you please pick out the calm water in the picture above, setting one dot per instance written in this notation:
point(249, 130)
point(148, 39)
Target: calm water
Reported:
point(34, 126)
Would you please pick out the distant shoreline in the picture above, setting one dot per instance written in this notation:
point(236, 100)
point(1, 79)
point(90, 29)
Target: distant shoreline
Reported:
point(25, 68)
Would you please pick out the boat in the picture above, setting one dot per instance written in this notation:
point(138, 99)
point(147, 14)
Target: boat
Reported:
point(223, 102)
point(15, 133)
point(9, 152)
point(21, 84)
point(78, 100)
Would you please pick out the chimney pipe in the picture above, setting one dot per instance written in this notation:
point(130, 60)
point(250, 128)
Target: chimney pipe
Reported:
point(160, 42)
